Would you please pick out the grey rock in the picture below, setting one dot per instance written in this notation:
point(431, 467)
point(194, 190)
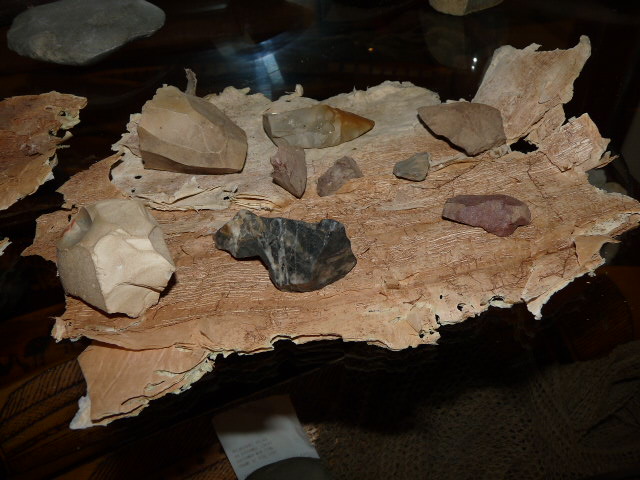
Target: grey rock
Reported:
point(473, 127)
point(337, 175)
point(319, 126)
point(414, 168)
point(81, 32)
point(462, 7)
point(497, 214)
point(300, 256)
point(290, 168)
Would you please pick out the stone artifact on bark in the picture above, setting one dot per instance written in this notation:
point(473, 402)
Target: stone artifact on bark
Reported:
point(29, 139)
point(254, 188)
point(497, 214)
point(414, 168)
point(81, 32)
point(337, 175)
point(528, 86)
point(300, 256)
point(473, 127)
point(290, 168)
point(319, 126)
point(182, 133)
point(113, 256)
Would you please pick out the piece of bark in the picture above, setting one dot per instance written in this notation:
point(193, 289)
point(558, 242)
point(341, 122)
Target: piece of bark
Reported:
point(290, 168)
point(29, 139)
point(4, 243)
point(525, 84)
point(158, 371)
point(186, 134)
point(414, 168)
point(548, 124)
point(319, 126)
point(413, 266)
point(113, 256)
point(497, 214)
point(334, 178)
point(473, 127)
point(588, 157)
point(300, 256)
point(462, 7)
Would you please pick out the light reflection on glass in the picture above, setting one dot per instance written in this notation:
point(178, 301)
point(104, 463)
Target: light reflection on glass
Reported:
point(272, 68)
point(267, 74)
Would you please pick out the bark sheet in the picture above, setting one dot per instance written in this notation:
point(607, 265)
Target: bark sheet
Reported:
point(415, 270)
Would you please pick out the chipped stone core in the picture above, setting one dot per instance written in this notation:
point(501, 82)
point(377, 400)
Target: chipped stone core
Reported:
point(113, 256)
point(186, 134)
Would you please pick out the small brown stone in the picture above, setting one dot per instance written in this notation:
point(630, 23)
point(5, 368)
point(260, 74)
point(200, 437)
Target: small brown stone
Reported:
point(337, 175)
point(290, 168)
point(473, 127)
point(497, 214)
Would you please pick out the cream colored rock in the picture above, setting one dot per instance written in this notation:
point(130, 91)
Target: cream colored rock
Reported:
point(186, 134)
point(319, 126)
point(113, 256)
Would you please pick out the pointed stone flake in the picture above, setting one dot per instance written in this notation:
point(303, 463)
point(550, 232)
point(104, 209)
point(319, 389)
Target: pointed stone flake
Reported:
point(497, 214)
point(473, 127)
point(300, 256)
point(319, 126)
point(290, 168)
point(414, 168)
point(186, 134)
point(337, 175)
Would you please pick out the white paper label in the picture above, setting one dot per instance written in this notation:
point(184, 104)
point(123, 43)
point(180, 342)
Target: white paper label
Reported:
point(260, 433)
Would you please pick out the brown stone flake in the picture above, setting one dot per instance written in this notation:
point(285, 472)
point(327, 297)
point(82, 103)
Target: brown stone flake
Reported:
point(497, 214)
point(473, 127)
point(336, 176)
point(290, 168)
